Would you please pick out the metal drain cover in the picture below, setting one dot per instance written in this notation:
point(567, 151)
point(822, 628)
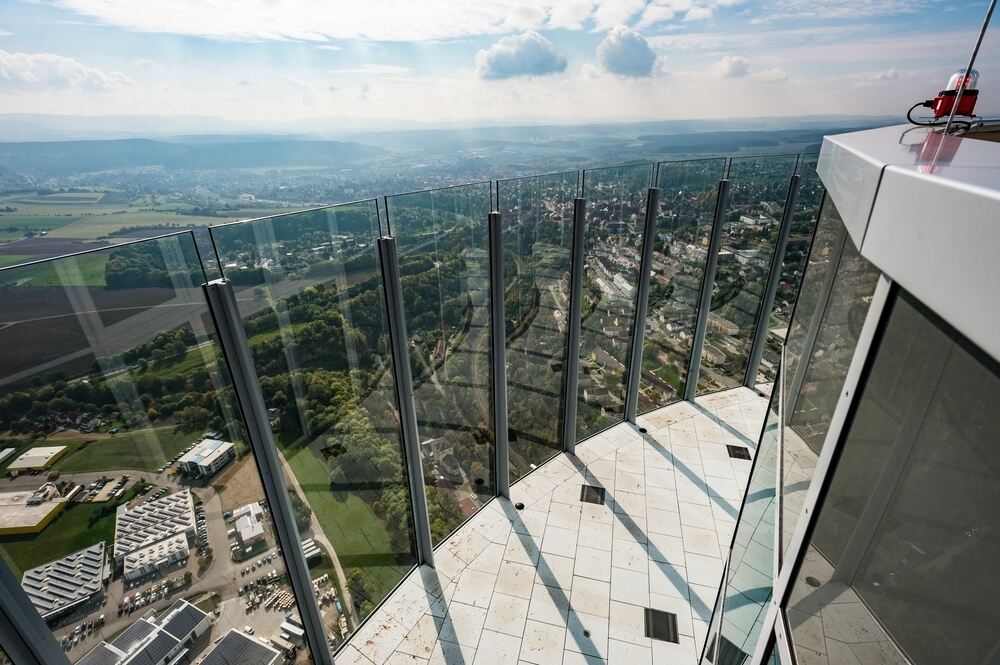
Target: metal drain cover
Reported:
point(661, 625)
point(592, 494)
point(738, 452)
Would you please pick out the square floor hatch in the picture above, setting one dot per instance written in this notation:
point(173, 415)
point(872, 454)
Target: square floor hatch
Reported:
point(591, 494)
point(738, 452)
point(661, 625)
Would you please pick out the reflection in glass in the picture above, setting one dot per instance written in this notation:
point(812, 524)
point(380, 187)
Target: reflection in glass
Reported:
point(616, 208)
point(688, 194)
point(804, 214)
point(751, 562)
point(127, 456)
point(537, 218)
point(901, 564)
point(853, 284)
point(443, 247)
point(757, 194)
point(309, 294)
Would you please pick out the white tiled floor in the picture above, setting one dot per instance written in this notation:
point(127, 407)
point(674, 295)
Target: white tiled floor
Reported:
point(565, 582)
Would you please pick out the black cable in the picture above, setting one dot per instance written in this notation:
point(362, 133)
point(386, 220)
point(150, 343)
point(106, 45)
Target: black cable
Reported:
point(934, 123)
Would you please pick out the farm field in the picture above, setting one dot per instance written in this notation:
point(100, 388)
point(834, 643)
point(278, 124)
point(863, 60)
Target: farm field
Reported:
point(76, 216)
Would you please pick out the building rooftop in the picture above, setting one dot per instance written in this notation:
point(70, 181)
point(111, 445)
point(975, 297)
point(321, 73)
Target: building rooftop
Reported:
point(36, 458)
point(64, 583)
point(526, 584)
point(238, 647)
point(146, 523)
point(206, 452)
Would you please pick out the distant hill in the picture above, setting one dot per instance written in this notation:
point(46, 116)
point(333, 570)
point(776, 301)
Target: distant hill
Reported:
point(64, 157)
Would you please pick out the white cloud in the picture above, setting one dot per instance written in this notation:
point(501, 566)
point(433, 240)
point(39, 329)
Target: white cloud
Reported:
point(143, 62)
point(5, 33)
point(328, 47)
point(528, 54)
point(47, 71)
point(699, 14)
point(773, 75)
point(837, 9)
point(731, 66)
point(626, 53)
point(381, 20)
point(372, 69)
point(878, 78)
point(306, 89)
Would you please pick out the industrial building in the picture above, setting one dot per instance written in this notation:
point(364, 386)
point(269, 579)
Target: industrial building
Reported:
point(146, 524)
point(249, 524)
point(238, 647)
point(24, 512)
point(60, 586)
point(37, 459)
point(207, 458)
point(153, 641)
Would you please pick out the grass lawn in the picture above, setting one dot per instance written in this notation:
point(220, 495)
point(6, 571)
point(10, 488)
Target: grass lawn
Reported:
point(71, 531)
point(144, 449)
point(346, 518)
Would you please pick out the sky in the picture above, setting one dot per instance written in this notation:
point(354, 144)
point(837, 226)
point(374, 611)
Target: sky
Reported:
point(281, 63)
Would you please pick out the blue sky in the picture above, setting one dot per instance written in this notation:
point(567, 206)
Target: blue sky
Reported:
point(270, 63)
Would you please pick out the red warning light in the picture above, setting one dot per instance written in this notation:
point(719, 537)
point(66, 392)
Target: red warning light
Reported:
point(968, 83)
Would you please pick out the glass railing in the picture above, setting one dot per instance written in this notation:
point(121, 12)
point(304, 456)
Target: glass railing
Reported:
point(443, 247)
point(537, 217)
point(134, 515)
point(616, 208)
point(757, 193)
point(312, 308)
point(800, 236)
point(687, 201)
point(115, 399)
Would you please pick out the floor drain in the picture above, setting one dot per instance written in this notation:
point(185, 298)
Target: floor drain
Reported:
point(813, 582)
point(519, 505)
point(738, 452)
point(586, 633)
point(642, 430)
point(592, 494)
point(661, 625)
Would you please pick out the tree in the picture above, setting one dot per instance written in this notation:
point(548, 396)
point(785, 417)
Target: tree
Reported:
point(193, 418)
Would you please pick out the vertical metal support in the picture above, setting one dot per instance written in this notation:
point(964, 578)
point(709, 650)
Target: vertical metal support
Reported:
point(236, 350)
point(641, 306)
point(812, 332)
point(23, 634)
point(864, 351)
point(705, 298)
point(771, 288)
point(498, 341)
point(403, 380)
point(573, 321)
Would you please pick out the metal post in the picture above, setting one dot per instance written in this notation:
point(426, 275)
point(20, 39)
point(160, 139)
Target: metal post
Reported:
point(705, 298)
point(573, 321)
point(812, 332)
point(771, 288)
point(641, 306)
point(498, 340)
point(23, 634)
point(246, 386)
point(403, 380)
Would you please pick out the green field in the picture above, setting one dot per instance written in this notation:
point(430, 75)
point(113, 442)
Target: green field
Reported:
point(346, 519)
point(71, 531)
point(85, 270)
point(14, 259)
point(146, 449)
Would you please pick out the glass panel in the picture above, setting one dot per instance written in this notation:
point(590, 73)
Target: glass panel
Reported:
point(312, 307)
point(751, 561)
point(443, 245)
point(757, 192)
point(902, 562)
point(616, 208)
point(688, 194)
point(800, 236)
point(537, 216)
point(134, 508)
point(850, 295)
